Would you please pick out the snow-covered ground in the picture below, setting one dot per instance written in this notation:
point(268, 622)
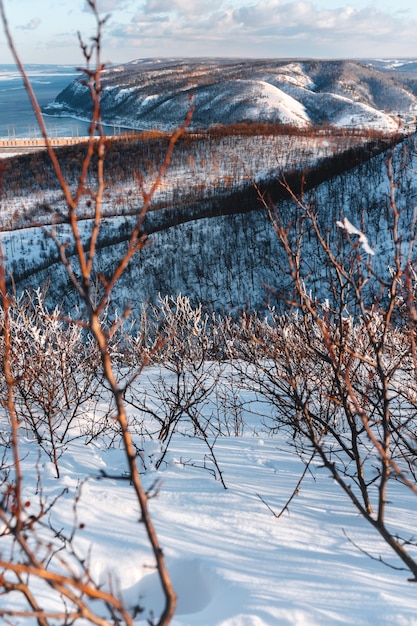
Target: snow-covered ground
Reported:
point(232, 561)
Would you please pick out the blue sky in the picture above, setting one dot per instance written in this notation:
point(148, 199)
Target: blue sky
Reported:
point(45, 31)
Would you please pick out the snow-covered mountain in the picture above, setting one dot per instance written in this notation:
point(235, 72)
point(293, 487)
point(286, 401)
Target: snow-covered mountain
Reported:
point(156, 93)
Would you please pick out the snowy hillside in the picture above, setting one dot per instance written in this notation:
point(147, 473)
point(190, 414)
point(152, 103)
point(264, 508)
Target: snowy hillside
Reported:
point(153, 92)
point(227, 261)
point(206, 206)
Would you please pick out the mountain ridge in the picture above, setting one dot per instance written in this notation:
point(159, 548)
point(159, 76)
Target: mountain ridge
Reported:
point(148, 93)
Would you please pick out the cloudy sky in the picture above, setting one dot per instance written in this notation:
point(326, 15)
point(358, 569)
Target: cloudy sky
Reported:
point(45, 31)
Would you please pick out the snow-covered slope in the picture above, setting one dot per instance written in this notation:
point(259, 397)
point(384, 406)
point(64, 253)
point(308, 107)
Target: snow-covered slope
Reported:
point(226, 262)
point(291, 111)
point(149, 93)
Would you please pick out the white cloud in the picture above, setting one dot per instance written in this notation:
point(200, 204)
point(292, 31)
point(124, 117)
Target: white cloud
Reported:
point(183, 7)
point(246, 28)
point(32, 24)
point(105, 6)
point(158, 6)
point(283, 18)
point(263, 28)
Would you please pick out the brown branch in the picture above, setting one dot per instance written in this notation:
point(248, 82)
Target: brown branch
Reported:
point(138, 240)
point(69, 585)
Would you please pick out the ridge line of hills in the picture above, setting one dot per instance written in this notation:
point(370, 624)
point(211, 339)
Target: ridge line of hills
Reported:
point(152, 93)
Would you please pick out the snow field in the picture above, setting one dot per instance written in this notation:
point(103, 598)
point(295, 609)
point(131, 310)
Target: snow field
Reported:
point(232, 561)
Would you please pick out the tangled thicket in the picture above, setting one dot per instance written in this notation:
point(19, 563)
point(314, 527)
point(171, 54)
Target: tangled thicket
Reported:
point(59, 381)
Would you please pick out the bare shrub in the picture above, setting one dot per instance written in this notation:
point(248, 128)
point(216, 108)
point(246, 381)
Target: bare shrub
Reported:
point(58, 377)
point(178, 396)
point(341, 373)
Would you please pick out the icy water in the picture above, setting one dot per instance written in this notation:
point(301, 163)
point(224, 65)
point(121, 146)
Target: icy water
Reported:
point(16, 116)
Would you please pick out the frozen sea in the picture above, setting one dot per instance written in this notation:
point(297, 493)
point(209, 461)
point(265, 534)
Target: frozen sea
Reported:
point(16, 116)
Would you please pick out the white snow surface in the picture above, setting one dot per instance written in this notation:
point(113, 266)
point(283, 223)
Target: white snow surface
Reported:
point(363, 116)
point(293, 73)
point(232, 562)
point(292, 111)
